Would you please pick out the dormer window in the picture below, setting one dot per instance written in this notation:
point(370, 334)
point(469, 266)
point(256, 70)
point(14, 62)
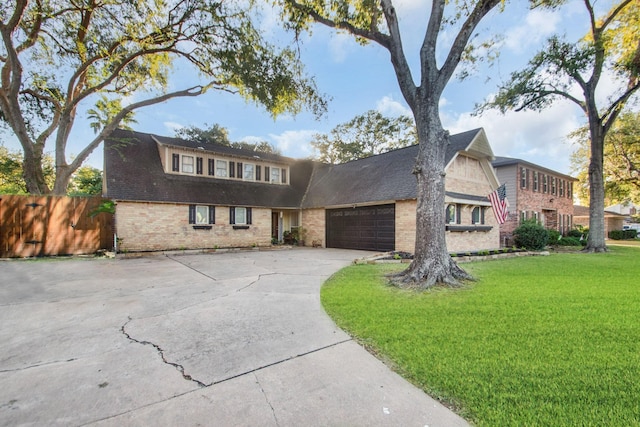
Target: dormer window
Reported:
point(275, 175)
point(187, 164)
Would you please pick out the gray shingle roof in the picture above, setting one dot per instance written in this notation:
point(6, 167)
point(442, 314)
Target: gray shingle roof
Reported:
point(133, 171)
point(510, 161)
point(384, 177)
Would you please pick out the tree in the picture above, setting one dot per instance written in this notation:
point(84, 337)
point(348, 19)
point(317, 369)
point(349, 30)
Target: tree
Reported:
point(86, 181)
point(60, 57)
point(365, 135)
point(377, 21)
point(613, 43)
point(11, 179)
point(216, 134)
point(621, 163)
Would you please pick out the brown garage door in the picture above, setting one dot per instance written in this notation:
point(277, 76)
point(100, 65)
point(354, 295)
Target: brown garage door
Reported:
point(370, 228)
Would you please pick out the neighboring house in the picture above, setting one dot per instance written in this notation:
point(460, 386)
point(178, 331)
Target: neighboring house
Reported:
point(173, 194)
point(627, 209)
point(612, 220)
point(534, 192)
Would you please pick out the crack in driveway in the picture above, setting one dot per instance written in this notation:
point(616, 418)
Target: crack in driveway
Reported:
point(160, 351)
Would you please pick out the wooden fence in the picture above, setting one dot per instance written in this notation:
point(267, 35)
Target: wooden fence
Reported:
point(52, 225)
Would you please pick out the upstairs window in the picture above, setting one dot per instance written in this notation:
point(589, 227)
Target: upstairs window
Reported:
point(553, 186)
point(249, 171)
point(523, 178)
point(545, 183)
point(221, 168)
point(535, 181)
point(187, 164)
point(275, 175)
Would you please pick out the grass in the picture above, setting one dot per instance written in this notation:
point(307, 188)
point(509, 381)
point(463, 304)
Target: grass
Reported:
point(536, 341)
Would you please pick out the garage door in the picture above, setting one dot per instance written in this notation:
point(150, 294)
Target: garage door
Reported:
point(371, 228)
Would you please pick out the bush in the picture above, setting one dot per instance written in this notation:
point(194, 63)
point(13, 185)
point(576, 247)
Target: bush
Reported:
point(531, 235)
point(569, 241)
point(576, 233)
point(554, 235)
point(623, 234)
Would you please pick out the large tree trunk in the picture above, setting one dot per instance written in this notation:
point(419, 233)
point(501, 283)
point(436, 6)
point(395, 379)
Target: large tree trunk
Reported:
point(596, 239)
point(32, 171)
point(432, 264)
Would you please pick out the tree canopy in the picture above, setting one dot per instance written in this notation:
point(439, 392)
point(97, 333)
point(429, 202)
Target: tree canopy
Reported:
point(621, 161)
point(217, 134)
point(365, 135)
point(113, 57)
point(574, 70)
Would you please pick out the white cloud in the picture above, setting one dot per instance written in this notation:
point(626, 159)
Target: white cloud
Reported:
point(538, 25)
point(294, 143)
point(172, 126)
point(387, 106)
point(537, 137)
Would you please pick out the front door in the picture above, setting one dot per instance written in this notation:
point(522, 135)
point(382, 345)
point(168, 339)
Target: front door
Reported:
point(275, 225)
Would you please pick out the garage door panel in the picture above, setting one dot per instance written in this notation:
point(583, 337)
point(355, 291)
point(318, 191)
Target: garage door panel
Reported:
point(366, 228)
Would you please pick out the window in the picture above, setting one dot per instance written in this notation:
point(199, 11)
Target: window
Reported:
point(561, 188)
point(452, 214)
point(187, 164)
point(477, 215)
point(199, 165)
point(275, 175)
point(569, 189)
point(211, 170)
point(221, 168)
point(535, 181)
point(523, 216)
point(523, 178)
point(202, 215)
point(248, 171)
point(536, 216)
point(553, 186)
point(545, 183)
point(239, 216)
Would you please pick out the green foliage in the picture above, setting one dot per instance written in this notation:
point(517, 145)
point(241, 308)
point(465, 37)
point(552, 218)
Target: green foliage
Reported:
point(217, 134)
point(86, 181)
point(623, 234)
point(546, 348)
point(60, 58)
point(365, 135)
point(11, 178)
point(531, 235)
point(621, 164)
point(570, 241)
point(108, 206)
point(554, 235)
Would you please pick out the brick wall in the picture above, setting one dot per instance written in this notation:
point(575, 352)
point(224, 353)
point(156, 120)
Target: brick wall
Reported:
point(142, 226)
point(314, 221)
point(555, 211)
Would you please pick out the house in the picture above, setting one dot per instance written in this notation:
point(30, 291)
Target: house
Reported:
point(173, 194)
point(534, 192)
point(612, 220)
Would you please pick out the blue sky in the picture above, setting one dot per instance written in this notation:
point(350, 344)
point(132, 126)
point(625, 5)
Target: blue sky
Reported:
point(360, 78)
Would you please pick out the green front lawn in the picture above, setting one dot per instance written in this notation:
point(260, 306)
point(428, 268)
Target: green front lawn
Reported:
point(544, 341)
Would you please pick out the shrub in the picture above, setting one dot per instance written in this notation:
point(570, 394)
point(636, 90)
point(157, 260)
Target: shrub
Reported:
point(623, 234)
point(531, 235)
point(554, 235)
point(575, 233)
point(569, 241)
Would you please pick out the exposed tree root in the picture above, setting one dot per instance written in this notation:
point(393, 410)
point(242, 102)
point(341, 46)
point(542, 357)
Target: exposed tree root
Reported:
point(430, 273)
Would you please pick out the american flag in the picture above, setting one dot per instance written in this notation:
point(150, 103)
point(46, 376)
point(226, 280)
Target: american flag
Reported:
point(499, 203)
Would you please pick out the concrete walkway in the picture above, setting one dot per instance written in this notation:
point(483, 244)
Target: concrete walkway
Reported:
point(233, 339)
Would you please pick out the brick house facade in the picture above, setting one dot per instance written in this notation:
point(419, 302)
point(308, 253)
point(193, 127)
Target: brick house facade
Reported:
point(534, 192)
point(176, 194)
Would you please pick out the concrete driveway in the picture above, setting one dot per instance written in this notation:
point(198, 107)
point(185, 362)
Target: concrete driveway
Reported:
point(230, 339)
